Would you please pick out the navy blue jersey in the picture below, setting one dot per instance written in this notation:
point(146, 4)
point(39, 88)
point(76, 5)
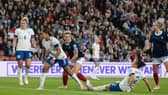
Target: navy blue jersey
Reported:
point(70, 48)
point(159, 45)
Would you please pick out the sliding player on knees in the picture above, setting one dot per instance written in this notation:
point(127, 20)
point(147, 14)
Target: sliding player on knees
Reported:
point(131, 79)
point(56, 55)
point(76, 57)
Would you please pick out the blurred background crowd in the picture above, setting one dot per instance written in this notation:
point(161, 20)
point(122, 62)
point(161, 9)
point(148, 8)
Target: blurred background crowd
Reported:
point(121, 25)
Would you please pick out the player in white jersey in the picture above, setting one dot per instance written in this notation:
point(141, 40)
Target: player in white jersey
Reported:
point(22, 48)
point(56, 55)
point(95, 57)
point(131, 79)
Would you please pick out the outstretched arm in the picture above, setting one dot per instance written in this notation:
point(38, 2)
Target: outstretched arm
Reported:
point(149, 46)
point(131, 80)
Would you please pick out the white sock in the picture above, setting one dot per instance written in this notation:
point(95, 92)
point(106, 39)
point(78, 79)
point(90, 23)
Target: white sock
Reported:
point(96, 69)
point(26, 72)
point(76, 79)
point(20, 74)
point(100, 88)
point(42, 79)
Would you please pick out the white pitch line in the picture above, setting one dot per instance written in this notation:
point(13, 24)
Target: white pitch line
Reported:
point(53, 90)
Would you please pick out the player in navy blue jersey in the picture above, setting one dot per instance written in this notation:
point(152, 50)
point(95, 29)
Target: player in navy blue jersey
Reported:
point(76, 57)
point(158, 45)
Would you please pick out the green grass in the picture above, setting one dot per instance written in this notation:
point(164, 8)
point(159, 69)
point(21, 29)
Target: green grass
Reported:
point(9, 86)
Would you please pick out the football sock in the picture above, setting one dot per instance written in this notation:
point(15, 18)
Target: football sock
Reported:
point(81, 77)
point(42, 79)
point(156, 78)
point(20, 74)
point(27, 72)
point(65, 79)
point(77, 79)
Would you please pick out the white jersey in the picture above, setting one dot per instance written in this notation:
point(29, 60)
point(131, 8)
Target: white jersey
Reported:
point(124, 84)
point(96, 49)
point(24, 38)
point(50, 47)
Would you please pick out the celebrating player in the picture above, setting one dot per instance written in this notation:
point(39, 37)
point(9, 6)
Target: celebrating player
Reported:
point(131, 79)
point(158, 43)
point(95, 57)
point(56, 55)
point(22, 47)
point(76, 58)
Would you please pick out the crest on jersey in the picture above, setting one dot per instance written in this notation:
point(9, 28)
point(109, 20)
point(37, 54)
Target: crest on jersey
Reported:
point(18, 56)
point(30, 55)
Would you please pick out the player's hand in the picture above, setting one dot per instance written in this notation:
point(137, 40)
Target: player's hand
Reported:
point(129, 89)
point(70, 64)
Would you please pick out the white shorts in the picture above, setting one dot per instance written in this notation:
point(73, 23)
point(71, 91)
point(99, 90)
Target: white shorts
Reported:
point(80, 60)
point(160, 60)
point(96, 59)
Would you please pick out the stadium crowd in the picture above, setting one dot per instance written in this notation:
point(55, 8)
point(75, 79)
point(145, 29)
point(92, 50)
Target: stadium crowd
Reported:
point(122, 25)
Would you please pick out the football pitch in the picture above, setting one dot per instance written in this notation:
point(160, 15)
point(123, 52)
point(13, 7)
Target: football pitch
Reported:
point(9, 86)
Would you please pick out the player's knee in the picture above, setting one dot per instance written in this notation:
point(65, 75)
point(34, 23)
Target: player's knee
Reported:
point(67, 71)
point(20, 66)
point(28, 66)
point(44, 70)
point(75, 72)
point(97, 64)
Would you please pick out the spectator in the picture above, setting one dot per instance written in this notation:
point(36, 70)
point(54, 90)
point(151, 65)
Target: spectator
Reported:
point(130, 20)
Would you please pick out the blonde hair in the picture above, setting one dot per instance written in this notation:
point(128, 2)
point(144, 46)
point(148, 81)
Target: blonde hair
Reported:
point(161, 25)
point(25, 19)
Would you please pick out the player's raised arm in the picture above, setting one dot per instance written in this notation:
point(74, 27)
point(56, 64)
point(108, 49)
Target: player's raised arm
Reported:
point(148, 84)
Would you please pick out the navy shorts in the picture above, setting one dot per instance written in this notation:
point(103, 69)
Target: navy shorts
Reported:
point(95, 59)
point(62, 62)
point(115, 87)
point(23, 55)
